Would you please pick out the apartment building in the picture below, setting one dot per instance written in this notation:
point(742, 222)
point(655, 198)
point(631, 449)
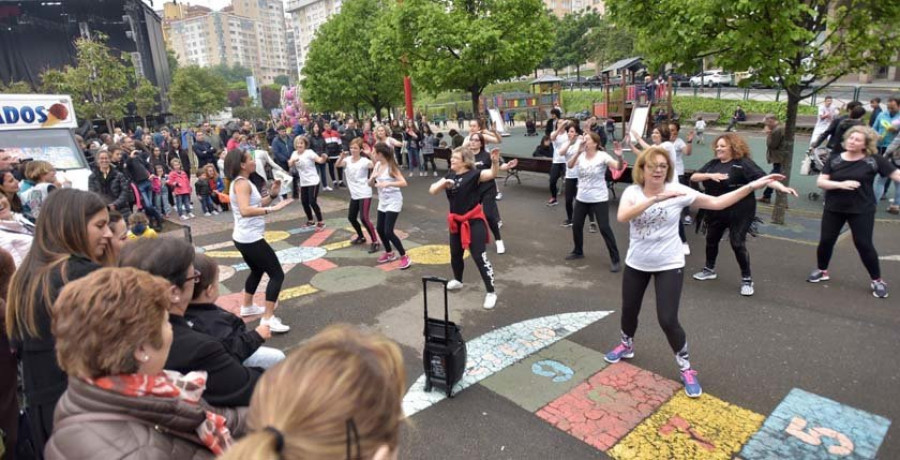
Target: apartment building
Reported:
point(250, 33)
point(306, 16)
point(562, 7)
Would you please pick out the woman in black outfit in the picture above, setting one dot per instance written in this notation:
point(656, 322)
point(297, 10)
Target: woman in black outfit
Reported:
point(72, 239)
point(730, 170)
point(467, 219)
point(317, 144)
point(849, 198)
point(488, 189)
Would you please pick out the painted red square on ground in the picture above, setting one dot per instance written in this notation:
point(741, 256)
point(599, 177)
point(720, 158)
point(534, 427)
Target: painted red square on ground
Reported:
point(320, 265)
point(608, 405)
point(318, 238)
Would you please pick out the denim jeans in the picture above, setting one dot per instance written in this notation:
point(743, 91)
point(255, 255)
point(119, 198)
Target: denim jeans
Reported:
point(146, 190)
point(413, 159)
point(183, 203)
point(880, 183)
point(161, 199)
point(264, 357)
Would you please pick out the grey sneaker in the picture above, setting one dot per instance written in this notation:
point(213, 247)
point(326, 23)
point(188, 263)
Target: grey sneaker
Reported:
point(818, 275)
point(747, 287)
point(879, 289)
point(592, 227)
point(706, 274)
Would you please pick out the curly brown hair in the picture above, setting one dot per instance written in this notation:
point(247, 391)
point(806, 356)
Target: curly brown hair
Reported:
point(737, 143)
point(99, 321)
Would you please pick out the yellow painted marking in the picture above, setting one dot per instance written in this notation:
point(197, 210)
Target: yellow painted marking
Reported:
point(296, 291)
point(274, 236)
point(224, 254)
point(336, 246)
point(704, 428)
point(432, 254)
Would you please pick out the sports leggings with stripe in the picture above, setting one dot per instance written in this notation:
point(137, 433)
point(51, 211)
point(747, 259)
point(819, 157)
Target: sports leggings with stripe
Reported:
point(360, 208)
point(478, 252)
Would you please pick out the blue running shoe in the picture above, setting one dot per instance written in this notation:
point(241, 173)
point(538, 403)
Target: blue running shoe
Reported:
point(691, 384)
point(622, 351)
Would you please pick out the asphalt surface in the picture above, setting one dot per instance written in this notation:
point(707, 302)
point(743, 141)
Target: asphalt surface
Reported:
point(833, 339)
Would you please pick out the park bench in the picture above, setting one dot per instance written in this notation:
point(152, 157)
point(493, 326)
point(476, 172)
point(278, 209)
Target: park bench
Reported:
point(753, 119)
point(709, 117)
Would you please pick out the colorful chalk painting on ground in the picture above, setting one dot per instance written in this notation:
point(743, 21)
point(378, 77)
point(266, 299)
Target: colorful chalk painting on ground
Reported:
point(631, 413)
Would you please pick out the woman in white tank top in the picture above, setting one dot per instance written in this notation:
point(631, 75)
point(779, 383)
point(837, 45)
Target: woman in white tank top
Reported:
point(249, 209)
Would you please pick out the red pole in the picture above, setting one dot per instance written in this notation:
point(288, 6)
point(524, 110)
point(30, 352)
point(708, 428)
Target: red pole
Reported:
point(407, 96)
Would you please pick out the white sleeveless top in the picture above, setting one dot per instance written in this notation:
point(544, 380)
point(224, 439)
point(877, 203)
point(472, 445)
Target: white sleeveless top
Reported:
point(246, 229)
point(389, 198)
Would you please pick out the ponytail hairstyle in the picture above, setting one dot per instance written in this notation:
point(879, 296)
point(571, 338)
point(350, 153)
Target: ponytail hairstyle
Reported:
point(338, 396)
point(388, 154)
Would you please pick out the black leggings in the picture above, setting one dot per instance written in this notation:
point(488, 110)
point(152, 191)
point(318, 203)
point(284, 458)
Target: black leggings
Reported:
point(556, 171)
point(600, 213)
point(361, 208)
point(668, 295)
point(260, 257)
point(340, 171)
point(491, 211)
point(385, 226)
point(861, 227)
point(426, 158)
point(571, 191)
point(308, 198)
point(478, 252)
point(737, 224)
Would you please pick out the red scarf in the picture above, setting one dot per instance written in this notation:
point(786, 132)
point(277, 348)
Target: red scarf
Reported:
point(213, 432)
point(459, 223)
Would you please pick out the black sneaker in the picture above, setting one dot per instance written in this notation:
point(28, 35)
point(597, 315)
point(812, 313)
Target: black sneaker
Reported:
point(566, 223)
point(818, 275)
point(374, 248)
point(358, 240)
point(574, 256)
point(616, 267)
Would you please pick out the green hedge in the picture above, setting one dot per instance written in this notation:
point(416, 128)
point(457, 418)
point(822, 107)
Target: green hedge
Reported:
point(687, 106)
point(576, 101)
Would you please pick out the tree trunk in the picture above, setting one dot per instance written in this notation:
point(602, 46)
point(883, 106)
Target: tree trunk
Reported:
point(145, 123)
point(475, 92)
point(790, 124)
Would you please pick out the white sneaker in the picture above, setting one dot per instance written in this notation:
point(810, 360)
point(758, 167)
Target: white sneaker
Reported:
point(435, 174)
point(490, 300)
point(411, 174)
point(252, 310)
point(687, 249)
point(328, 189)
point(191, 215)
point(454, 285)
point(499, 196)
point(275, 325)
point(215, 213)
point(206, 214)
point(183, 217)
point(501, 248)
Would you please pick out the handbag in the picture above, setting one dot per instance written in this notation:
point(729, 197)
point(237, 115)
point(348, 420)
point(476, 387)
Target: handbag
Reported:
point(617, 173)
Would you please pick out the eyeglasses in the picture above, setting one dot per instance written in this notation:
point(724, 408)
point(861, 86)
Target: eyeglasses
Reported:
point(657, 167)
point(195, 278)
point(352, 438)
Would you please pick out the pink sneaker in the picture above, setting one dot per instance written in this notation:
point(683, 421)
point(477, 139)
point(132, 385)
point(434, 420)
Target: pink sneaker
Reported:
point(387, 257)
point(405, 262)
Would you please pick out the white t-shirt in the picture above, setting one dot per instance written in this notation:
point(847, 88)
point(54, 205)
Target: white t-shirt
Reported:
point(357, 174)
point(822, 125)
point(306, 167)
point(654, 244)
point(246, 229)
point(679, 145)
point(570, 152)
point(390, 199)
point(558, 155)
point(592, 178)
point(673, 159)
point(700, 125)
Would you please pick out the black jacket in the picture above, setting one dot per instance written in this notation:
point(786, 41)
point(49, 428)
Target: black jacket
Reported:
point(225, 326)
point(543, 151)
point(44, 381)
point(835, 133)
point(317, 144)
point(113, 188)
point(138, 169)
point(205, 152)
point(229, 383)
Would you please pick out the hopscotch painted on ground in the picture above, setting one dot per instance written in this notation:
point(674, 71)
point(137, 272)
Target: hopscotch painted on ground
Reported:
point(628, 412)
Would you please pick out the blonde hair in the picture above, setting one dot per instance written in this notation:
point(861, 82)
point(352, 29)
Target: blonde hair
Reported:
point(342, 380)
point(466, 156)
point(869, 134)
point(101, 319)
point(137, 218)
point(651, 156)
point(37, 168)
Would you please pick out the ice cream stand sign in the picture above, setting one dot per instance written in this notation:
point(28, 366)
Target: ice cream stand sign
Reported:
point(36, 111)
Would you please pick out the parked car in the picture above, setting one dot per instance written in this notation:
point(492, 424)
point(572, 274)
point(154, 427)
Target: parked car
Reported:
point(583, 115)
point(711, 78)
point(678, 79)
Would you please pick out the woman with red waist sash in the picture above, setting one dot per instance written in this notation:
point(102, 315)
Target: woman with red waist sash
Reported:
point(466, 220)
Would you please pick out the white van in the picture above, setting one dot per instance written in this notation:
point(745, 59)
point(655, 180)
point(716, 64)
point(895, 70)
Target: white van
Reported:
point(40, 127)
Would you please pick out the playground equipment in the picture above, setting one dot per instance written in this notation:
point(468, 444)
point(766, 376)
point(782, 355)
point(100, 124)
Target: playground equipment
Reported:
point(621, 99)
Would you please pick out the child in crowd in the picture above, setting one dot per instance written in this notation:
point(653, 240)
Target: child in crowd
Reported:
point(220, 163)
point(204, 316)
point(699, 127)
point(139, 227)
point(217, 185)
point(40, 180)
point(204, 193)
point(160, 190)
point(611, 129)
point(181, 188)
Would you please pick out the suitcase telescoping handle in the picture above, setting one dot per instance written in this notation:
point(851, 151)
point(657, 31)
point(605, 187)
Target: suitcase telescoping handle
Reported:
point(442, 281)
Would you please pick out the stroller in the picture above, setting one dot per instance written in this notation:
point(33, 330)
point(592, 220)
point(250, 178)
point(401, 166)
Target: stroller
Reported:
point(813, 165)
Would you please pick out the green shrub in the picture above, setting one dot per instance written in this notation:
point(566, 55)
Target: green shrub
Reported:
point(576, 101)
point(250, 113)
point(687, 106)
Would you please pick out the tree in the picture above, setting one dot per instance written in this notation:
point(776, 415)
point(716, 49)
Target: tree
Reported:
point(145, 95)
point(197, 91)
point(283, 80)
point(785, 41)
point(172, 58)
point(347, 66)
point(15, 87)
point(237, 97)
point(233, 74)
point(607, 43)
point(468, 44)
point(573, 40)
point(270, 97)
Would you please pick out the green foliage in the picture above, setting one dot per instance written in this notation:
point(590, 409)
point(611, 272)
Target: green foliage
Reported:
point(172, 59)
point(573, 39)
point(346, 67)
point(687, 106)
point(197, 91)
point(15, 87)
point(508, 87)
point(145, 97)
point(606, 43)
point(282, 80)
point(465, 44)
point(235, 74)
point(576, 101)
point(250, 113)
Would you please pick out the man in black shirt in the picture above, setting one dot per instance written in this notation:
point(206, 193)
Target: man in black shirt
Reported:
point(738, 115)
